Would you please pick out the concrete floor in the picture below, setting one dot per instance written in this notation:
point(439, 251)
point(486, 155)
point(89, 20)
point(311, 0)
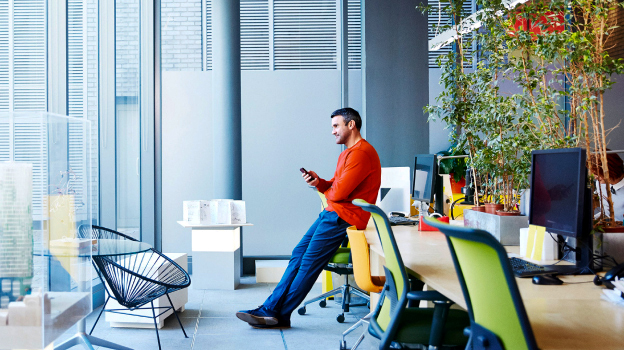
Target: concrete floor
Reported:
point(210, 323)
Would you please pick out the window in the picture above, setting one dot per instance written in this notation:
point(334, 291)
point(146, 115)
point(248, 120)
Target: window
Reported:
point(275, 34)
point(437, 18)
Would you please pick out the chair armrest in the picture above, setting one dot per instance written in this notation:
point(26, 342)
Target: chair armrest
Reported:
point(431, 295)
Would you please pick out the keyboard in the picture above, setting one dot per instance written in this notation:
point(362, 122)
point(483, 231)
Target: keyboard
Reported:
point(400, 220)
point(523, 268)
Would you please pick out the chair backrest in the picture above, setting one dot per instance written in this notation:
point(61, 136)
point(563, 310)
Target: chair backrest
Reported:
point(99, 232)
point(323, 200)
point(397, 282)
point(136, 279)
point(360, 254)
point(488, 284)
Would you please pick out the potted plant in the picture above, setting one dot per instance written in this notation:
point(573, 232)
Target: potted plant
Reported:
point(559, 55)
point(454, 167)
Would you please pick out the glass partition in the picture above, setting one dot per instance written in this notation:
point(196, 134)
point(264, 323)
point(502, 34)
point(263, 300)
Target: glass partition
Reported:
point(45, 184)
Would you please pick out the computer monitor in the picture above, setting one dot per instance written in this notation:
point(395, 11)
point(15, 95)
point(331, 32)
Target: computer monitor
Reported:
point(426, 183)
point(394, 193)
point(560, 200)
point(424, 178)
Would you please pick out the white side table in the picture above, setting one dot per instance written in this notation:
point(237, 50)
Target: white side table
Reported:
point(216, 255)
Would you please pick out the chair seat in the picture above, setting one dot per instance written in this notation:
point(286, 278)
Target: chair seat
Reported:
point(339, 263)
point(339, 269)
point(341, 256)
point(415, 327)
point(134, 301)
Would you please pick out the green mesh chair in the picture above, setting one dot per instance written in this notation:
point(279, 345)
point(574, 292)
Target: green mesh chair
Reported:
point(396, 324)
point(498, 319)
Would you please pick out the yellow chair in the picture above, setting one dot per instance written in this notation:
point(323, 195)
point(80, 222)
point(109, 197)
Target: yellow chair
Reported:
point(360, 255)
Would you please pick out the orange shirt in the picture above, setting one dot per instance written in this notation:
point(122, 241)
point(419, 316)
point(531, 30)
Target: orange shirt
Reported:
point(358, 175)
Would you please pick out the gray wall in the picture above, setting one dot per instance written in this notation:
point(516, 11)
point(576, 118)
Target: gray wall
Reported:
point(285, 126)
point(614, 108)
point(396, 80)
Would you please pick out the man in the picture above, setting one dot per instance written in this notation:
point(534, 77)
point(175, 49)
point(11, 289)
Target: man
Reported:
point(358, 175)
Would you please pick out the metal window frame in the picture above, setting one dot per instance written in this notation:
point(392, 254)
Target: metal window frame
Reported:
point(149, 136)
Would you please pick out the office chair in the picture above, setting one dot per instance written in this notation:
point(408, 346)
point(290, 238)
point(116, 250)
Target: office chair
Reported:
point(340, 264)
point(498, 319)
point(360, 253)
point(394, 323)
point(137, 279)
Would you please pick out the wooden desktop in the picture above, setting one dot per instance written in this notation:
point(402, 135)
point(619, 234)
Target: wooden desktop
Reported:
point(568, 316)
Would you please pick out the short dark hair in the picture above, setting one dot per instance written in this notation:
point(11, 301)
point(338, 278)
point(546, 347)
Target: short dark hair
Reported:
point(349, 114)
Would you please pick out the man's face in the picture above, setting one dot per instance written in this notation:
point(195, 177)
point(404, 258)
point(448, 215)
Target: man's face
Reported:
point(340, 130)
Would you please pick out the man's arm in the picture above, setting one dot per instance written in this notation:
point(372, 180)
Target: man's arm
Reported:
point(312, 179)
point(356, 169)
point(323, 185)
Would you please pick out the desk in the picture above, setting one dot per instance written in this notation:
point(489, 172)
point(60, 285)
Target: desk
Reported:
point(570, 316)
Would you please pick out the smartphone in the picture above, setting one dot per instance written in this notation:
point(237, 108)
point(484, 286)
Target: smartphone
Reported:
point(305, 172)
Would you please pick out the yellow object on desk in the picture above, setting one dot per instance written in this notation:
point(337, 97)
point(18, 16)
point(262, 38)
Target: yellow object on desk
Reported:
point(535, 242)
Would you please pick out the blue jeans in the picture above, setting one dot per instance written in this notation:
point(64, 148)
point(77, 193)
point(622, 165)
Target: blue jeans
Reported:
point(307, 261)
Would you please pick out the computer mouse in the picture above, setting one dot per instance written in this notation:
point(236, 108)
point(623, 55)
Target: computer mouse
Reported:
point(547, 280)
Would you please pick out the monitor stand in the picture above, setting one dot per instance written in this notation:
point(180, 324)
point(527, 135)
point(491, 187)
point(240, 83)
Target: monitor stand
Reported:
point(583, 246)
point(572, 270)
point(439, 195)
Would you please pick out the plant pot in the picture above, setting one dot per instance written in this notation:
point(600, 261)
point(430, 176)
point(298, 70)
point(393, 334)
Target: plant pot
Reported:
point(506, 229)
point(457, 186)
point(610, 242)
point(507, 213)
point(615, 229)
point(491, 208)
point(479, 208)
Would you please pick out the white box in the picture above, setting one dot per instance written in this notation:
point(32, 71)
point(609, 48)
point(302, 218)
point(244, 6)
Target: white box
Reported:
point(21, 314)
point(549, 251)
point(224, 212)
point(239, 215)
point(196, 212)
point(228, 212)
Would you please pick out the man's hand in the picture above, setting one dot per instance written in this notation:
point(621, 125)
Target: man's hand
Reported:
point(311, 178)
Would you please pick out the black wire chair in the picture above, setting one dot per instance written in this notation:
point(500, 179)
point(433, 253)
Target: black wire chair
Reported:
point(138, 279)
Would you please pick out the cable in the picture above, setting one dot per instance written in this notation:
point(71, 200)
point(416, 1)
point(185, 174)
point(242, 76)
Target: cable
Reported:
point(592, 281)
point(453, 205)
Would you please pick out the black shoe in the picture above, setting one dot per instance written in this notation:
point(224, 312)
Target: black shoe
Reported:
point(258, 317)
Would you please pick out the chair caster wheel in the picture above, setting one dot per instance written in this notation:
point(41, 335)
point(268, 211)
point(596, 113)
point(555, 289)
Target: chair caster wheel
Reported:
point(322, 303)
point(343, 345)
point(302, 310)
point(340, 318)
